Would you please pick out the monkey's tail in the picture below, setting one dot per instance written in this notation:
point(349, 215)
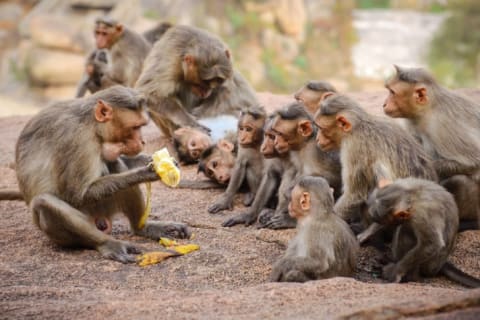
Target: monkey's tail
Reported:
point(457, 275)
point(10, 194)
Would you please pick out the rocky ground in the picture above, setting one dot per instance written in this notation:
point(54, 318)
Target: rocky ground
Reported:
point(225, 279)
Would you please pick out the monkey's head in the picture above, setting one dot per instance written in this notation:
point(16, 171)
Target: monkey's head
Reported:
point(268, 145)
point(409, 93)
point(217, 161)
point(190, 143)
point(107, 32)
point(250, 127)
point(312, 93)
point(205, 68)
point(119, 115)
point(310, 193)
point(293, 127)
point(337, 117)
point(390, 204)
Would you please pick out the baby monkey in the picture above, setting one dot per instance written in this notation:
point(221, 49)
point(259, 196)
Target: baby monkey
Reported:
point(324, 246)
point(426, 220)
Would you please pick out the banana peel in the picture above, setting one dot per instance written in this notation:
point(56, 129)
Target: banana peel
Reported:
point(180, 248)
point(155, 257)
point(167, 169)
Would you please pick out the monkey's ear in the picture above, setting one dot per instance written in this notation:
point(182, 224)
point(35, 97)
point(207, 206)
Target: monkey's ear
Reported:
point(180, 131)
point(119, 28)
point(397, 68)
point(305, 128)
point(343, 123)
point(382, 182)
point(326, 95)
point(402, 215)
point(189, 59)
point(103, 111)
point(227, 53)
point(225, 145)
point(420, 94)
point(305, 201)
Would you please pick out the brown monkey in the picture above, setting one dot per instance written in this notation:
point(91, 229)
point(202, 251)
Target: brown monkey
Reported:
point(152, 35)
point(426, 220)
point(191, 142)
point(271, 178)
point(127, 50)
point(368, 146)
point(189, 74)
point(217, 161)
point(77, 164)
point(324, 246)
point(96, 66)
point(249, 161)
point(448, 126)
point(312, 93)
point(295, 136)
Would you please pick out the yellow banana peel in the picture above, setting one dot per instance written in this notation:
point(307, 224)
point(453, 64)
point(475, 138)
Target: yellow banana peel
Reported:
point(167, 242)
point(154, 257)
point(185, 248)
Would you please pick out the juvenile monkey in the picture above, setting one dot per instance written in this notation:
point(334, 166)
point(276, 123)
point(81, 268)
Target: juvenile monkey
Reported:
point(324, 245)
point(189, 74)
point(313, 93)
point(217, 161)
point(448, 126)
point(271, 177)
point(249, 162)
point(295, 136)
point(426, 221)
point(96, 66)
point(368, 145)
point(78, 163)
point(127, 51)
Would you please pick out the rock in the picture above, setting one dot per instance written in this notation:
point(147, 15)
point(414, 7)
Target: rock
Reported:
point(10, 14)
point(53, 31)
point(51, 67)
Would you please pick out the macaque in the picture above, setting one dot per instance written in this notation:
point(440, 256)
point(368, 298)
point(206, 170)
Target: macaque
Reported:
point(371, 149)
point(190, 142)
point(448, 126)
point(127, 51)
point(425, 218)
point(271, 177)
point(189, 75)
point(96, 66)
point(78, 162)
point(324, 245)
point(295, 136)
point(152, 35)
point(313, 93)
point(249, 161)
point(217, 161)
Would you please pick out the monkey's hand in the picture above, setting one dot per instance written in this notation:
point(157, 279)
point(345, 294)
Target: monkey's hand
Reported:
point(120, 251)
point(156, 230)
point(280, 221)
point(221, 204)
point(391, 273)
point(247, 218)
point(148, 173)
point(280, 269)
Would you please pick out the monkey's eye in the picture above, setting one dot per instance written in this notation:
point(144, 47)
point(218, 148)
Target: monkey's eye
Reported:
point(248, 129)
point(214, 164)
point(210, 173)
point(391, 91)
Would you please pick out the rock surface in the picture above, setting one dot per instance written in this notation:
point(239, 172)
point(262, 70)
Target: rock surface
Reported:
point(225, 279)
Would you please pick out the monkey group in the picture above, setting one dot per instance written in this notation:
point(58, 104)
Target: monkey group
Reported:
point(322, 164)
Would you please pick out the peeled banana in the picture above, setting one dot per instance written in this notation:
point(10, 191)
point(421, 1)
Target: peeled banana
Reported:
point(166, 167)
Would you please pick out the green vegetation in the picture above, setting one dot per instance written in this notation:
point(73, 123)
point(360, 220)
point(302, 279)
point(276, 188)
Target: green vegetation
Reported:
point(373, 4)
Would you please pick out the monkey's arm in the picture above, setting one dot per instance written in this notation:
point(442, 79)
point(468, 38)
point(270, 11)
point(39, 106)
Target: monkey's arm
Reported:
point(137, 161)
point(108, 185)
point(265, 190)
point(370, 231)
point(238, 175)
point(82, 86)
point(348, 206)
point(447, 168)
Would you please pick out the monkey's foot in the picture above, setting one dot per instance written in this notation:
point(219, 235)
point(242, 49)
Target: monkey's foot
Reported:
point(279, 221)
point(246, 218)
point(120, 251)
point(220, 205)
point(156, 230)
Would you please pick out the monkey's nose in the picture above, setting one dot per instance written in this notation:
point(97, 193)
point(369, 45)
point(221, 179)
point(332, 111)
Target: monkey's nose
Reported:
point(142, 142)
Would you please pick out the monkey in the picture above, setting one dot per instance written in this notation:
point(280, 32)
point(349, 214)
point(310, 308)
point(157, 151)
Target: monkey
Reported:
point(127, 52)
point(152, 35)
point(189, 143)
point(217, 161)
point(295, 136)
point(312, 93)
point(96, 66)
point(78, 162)
point(189, 74)
point(368, 145)
point(425, 218)
point(270, 182)
point(324, 245)
point(249, 161)
point(448, 126)
point(10, 194)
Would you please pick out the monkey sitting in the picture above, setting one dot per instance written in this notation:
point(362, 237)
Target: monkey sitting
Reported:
point(426, 220)
point(96, 66)
point(324, 246)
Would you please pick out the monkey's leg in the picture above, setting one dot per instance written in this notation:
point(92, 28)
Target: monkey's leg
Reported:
point(69, 227)
point(132, 205)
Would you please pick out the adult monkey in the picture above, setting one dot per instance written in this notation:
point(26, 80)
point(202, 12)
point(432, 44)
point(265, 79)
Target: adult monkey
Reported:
point(127, 51)
point(189, 74)
point(77, 164)
point(371, 149)
point(448, 126)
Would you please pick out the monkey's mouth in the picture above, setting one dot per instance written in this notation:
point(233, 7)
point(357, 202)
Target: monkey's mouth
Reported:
point(201, 91)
